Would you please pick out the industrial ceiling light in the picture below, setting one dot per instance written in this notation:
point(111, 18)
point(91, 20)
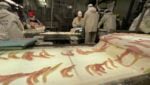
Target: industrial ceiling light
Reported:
point(69, 7)
point(43, 2)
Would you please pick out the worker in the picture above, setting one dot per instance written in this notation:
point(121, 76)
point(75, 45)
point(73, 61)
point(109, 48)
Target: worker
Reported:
point(77, 25)
point(91, 18)
point(108, 21)
point(77, 22)
point(11, 26)
point(144, 25)
point(34, 23)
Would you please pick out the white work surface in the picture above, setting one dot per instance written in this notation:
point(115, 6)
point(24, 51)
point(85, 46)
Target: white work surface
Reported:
point(60, 33)
point(80, 75)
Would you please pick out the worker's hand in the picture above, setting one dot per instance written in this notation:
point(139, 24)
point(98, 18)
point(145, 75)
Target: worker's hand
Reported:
point(73, 30)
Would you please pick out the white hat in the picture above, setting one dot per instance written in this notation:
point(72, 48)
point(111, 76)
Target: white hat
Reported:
point(90, 5)
point(4, 5)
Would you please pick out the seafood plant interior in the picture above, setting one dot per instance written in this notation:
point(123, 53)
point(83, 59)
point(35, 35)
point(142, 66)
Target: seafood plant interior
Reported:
point(115, 57)
point(74, 42)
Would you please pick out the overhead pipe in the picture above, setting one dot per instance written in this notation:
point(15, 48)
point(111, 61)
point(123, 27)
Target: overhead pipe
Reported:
point(52, 10)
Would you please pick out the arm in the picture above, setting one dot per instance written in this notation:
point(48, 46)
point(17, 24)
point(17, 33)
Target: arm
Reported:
point(74, 23)
point(101, 22)
point(38, 21)
point(20, 25)
point(84, 19)
point(134, 24)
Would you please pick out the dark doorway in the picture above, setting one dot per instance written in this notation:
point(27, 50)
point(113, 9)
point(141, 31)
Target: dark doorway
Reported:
point(18, 1)
point(92, 2)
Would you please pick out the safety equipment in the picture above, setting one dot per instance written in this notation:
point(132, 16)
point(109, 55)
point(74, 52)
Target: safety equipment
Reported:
point(91, 23)
point(12, 26)
point(90, 5)
point(4, 5)
point(108, 21)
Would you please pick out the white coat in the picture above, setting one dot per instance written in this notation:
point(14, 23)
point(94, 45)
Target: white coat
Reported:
point(12, 24)
point(77, 23)
point(144, 25)
point(91, 18)
point(108, 21)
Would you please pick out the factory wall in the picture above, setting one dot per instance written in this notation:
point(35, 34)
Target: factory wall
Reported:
point(65, 10)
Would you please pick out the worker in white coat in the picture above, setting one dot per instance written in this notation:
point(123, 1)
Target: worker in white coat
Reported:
point(144, 25)
point(11, 26)
point(91, 18)
point(108, 21)
point(77, 22)
point(77, 25)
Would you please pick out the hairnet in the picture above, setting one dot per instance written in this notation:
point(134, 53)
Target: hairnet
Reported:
point(90, 5)
point(4, 5)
